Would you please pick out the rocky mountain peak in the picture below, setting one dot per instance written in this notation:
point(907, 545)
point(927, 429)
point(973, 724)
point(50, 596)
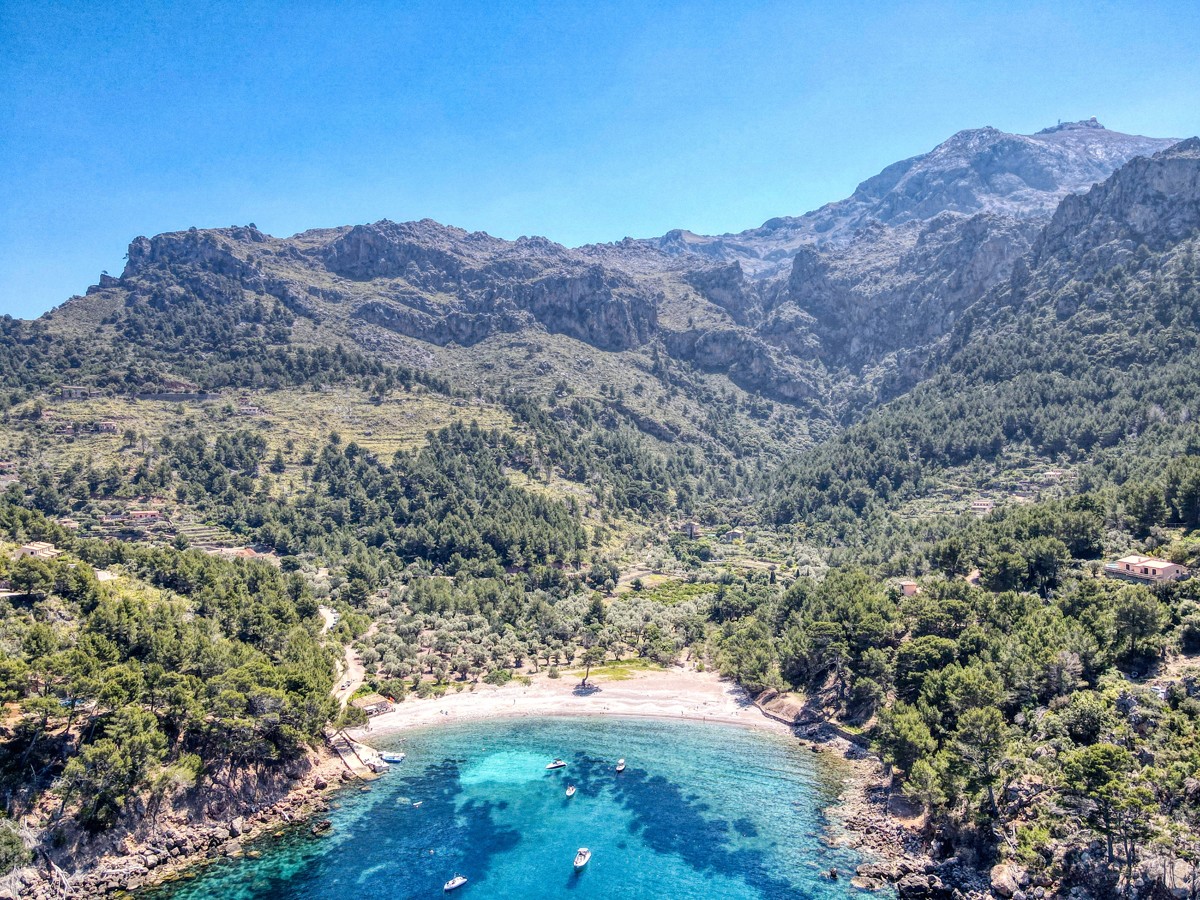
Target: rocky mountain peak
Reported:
point(974, 171)
point(1069, 126)
point(988, 170)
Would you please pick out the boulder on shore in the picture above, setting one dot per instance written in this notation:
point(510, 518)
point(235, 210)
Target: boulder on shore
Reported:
point(1006, 879)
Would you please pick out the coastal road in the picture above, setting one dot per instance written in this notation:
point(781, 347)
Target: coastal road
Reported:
point(352, 673)
point(351, 677)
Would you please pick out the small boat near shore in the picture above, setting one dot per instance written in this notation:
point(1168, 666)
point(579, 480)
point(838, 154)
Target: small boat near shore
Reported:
point(392, 757)
point(620, 765)
point(570, 790)
point(557, 764)
point(582, 857)
point(454, 883)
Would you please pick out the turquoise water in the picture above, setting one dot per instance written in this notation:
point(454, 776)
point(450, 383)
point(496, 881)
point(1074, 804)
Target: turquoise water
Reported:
point(701, 811)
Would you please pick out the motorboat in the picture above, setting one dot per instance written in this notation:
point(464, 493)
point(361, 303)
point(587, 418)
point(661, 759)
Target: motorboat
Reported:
point(620, 765)
point(582, 857)
point(454, 883)
point(392, 757)
point(570, 790)
point(557, 764)
point(417, 804)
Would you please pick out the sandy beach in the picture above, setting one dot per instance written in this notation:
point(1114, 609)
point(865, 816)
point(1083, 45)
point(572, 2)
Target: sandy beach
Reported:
point(675, 693)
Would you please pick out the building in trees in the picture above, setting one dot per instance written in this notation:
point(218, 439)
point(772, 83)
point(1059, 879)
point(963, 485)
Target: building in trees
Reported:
point(38, 550)
point(1145, 568)
point(373, 704)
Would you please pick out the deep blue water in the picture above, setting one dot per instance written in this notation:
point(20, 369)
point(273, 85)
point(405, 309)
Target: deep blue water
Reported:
point(701, 811)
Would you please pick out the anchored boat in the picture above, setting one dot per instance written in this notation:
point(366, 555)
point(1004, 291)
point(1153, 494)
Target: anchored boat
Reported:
point(620, 765)
point(582, 857)
point(456, 882)
point(570, 790)
point(557, 764)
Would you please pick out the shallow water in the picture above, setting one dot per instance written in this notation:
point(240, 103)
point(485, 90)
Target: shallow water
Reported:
point(701, 811)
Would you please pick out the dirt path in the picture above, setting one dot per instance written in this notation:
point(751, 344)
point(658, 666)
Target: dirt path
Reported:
point(329, 616)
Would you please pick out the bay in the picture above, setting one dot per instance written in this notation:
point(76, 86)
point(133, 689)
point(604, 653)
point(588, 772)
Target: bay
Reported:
point(701, 811)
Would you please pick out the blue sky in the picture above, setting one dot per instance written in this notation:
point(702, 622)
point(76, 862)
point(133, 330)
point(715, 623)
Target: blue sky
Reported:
point(580, 121)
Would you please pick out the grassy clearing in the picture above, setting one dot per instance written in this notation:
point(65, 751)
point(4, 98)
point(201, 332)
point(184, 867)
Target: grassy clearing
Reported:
point(670, 592)
point(617, 670)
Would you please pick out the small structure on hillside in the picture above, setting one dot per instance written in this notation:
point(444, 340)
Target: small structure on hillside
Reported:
point(908, 588)
point(373, 704)
point(74, 392)
point(38, 550)
point(692, 529)
point(249, 409)
point(107, 427)
point(235, 552)
point(144, 516)
point(981, 506)
point(1145, 568)
point(733, 534)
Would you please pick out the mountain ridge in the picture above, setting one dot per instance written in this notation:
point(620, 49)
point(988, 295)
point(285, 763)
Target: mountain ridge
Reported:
point(855, 320)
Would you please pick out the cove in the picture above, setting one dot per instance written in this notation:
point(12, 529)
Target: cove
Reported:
point(701, 811)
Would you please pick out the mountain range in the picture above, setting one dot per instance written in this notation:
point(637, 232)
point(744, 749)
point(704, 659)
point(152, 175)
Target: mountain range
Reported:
point(822, 316)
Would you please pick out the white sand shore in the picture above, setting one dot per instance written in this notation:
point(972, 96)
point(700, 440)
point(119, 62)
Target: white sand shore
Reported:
point(665, 694)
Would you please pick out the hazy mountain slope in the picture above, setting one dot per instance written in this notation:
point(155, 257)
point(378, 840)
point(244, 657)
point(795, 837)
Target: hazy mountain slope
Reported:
point(869, 282)
point(981, 170)
point(1089, 353)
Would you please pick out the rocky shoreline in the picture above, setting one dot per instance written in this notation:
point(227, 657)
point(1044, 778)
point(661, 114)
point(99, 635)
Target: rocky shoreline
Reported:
point(895, 852)
point(178, 846)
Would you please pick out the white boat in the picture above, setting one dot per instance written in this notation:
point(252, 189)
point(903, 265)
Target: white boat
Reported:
point(620, 765)
point(571, 790)
point(557, 764)
point(582, 857)
point(456, 882)
point(392, 757)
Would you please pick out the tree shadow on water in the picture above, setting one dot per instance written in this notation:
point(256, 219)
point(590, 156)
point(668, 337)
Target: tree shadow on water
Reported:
point(463, 837)
point(671, 823)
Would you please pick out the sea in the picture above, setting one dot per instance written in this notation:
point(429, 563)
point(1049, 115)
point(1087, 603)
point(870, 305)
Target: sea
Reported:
point(702, 810)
